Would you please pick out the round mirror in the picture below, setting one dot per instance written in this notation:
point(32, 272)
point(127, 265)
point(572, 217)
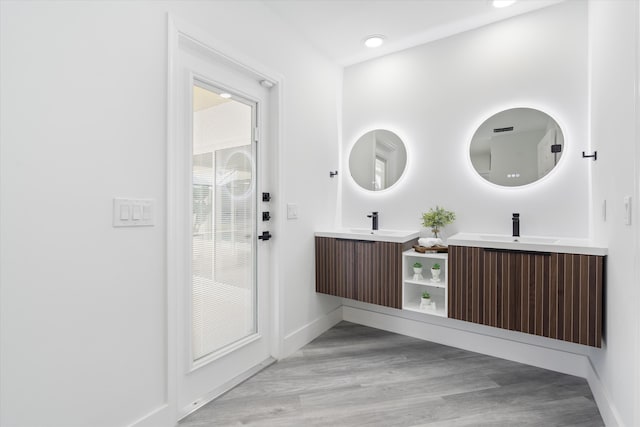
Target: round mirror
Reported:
point(516, 147)
point(377, 160)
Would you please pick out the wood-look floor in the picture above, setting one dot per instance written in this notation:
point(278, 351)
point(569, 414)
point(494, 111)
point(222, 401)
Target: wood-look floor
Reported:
point(353, 375)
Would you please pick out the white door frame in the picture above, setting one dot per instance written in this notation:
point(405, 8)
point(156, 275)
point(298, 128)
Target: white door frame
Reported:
point(178, 29)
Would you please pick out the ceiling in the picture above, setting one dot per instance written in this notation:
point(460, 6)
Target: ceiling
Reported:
point(203, 99)
point(338, 27)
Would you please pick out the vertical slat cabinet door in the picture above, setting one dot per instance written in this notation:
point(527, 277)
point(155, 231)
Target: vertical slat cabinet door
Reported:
point(325, 265)
point(365, 276)
point(462, 278)
point(513, 292)
point(379, 273)
point(553, 295)
point(392, 274)
point(586, 314)
point(345, 266)
point(453, 285)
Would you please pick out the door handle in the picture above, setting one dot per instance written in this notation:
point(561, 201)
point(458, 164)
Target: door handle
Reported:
point(265, 236)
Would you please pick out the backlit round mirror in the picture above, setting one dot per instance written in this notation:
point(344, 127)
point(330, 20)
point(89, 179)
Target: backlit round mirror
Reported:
point(516, 147)
point(377, 160)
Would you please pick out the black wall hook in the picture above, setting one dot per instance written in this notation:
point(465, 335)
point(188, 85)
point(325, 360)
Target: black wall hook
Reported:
point(332, 174)
point(594, 156)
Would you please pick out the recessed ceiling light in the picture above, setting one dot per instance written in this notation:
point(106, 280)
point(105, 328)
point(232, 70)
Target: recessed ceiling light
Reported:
point(503, 3)
point(225, 95)
point(374, 41)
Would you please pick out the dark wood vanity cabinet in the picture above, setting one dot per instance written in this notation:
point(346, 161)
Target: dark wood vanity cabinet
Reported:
point(554, 295)
point(363, 270)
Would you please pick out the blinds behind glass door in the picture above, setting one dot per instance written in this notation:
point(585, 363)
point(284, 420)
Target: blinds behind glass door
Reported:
point(223, 267)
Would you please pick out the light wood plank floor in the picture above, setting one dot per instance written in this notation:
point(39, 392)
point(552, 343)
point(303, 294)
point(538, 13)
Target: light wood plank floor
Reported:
point(353, 375)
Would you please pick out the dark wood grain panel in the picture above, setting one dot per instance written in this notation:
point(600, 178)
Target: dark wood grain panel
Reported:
point(379, 273)
point(325, 266)
point(552, 295)
point(367, 271)
point(335, 267)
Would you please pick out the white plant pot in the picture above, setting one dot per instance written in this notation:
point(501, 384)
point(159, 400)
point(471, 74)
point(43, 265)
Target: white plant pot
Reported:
point(435, 275)
point(425, 303)
point(417, 273)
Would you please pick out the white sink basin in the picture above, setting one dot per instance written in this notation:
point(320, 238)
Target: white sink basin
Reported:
point(521, 239)
point(395, 236)
point(528, 243)
point(391, 233)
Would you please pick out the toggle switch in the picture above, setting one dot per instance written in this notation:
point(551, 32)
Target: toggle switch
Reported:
point(627, 210)
point(146, 211)
point(136, 212)
point(292, 211)
point(124, 212)
point(132, 212)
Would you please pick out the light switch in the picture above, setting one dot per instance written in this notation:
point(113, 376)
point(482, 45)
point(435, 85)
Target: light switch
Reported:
point(136, 212)
point(124, 212)
point(146, 211)
point(627, 210)
point(292, 211)
point(132, 212)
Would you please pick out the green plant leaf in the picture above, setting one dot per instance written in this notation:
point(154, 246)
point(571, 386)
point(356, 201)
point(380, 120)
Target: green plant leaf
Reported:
point(437, 218)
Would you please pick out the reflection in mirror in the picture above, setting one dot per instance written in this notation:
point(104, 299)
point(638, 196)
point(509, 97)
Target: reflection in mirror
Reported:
point(516, 147)
point(377, 160)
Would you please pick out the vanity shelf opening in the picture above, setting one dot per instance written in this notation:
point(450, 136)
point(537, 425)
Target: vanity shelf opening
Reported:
point(415, 284)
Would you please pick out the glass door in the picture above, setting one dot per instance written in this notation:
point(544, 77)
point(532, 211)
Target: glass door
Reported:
point(219, 142)
point(224, 221)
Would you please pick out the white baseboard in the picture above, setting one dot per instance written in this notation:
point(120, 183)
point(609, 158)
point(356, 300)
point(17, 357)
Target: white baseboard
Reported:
point(608, 412)
point(307, 333)
point(159, 417)
point(530, 354)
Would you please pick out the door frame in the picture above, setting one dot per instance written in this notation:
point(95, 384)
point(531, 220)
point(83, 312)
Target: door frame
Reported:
point(177, 30)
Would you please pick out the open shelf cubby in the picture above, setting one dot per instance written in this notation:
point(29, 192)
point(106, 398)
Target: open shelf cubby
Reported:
point(412, 288)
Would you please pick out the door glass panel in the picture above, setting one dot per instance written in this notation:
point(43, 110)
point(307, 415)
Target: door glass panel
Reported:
point(223, 219)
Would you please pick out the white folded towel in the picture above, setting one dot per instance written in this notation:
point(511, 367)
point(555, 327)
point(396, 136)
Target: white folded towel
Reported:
point(429, 242)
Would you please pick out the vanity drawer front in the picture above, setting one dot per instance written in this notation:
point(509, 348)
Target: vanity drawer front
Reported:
point(367, 271)
point(554, 295)
point(335, 267)
point(379, 273)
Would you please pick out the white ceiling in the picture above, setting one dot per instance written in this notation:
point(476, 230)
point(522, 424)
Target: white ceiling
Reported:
point(338, 27)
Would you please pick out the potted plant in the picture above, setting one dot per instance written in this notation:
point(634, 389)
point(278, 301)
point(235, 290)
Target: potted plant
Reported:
point(425, 301)
point(437, 218)
point(417, 271)
point(435, 272)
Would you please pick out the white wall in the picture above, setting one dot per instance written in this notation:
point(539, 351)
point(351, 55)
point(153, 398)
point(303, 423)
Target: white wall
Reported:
point(83, 120)
point(436, 95)
point(613, 27)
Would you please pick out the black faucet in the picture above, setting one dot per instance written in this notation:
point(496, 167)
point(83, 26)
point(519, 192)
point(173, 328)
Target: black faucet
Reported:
point(516, 224)
point(374, 220)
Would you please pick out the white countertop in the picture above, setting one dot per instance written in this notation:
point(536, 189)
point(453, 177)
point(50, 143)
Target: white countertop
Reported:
point(394, 236)
point(528, 243)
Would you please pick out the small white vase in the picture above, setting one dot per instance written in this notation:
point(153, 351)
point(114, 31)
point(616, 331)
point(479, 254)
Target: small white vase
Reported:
point(435, 274)
point(425, 303)
point(417, 273)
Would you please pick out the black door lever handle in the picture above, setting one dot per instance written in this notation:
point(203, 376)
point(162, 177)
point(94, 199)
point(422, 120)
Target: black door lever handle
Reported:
point(265, 236)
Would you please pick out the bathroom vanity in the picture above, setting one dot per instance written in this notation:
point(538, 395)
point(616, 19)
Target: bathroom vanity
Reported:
point(363, 265)
point(536, 285)
point(542, 286)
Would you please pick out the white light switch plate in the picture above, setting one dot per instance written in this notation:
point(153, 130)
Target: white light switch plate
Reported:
point(292, 211)
point(627, 210)
point(133, 212)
